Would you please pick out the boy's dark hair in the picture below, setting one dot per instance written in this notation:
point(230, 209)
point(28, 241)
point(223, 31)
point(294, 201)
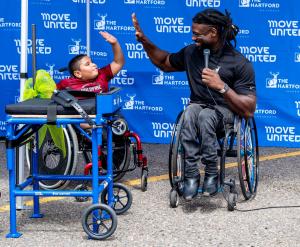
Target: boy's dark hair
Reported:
point(222, 22)
point(74, 63)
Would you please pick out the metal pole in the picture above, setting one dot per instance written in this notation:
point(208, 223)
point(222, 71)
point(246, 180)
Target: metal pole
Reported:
point(23, 77)
point(33, 30)
point(88, 27)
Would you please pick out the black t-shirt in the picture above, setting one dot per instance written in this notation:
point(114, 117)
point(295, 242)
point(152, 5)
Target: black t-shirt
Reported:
point(233, 68)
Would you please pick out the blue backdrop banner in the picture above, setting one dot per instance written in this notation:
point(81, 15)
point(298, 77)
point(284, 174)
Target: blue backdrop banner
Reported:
point(269, 38)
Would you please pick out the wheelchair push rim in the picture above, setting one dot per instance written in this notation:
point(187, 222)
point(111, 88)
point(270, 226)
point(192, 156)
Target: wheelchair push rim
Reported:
point(248, 157)
point(176, 155)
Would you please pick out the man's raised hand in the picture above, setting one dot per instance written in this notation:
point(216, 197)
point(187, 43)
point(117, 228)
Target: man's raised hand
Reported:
point(138, 31)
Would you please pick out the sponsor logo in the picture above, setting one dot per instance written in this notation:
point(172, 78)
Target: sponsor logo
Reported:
point(76, 48)
point(41, 48)
point(170, 25)
point(185, 101)
point(162, 129)
point(259, 54)
point(282, 134)
point(54, 73)
point(9, 72)
point(281, 83)
point(297, 103)
point(265, 113)
point(136, 51)
point(121, 78)
point(91, 1)
point(203, 3)
point(107, 24)
point(258, 4)
point(8, 25)
point(139, 105)
point(167, 80)
point(145, 2)
point(58, 21)
point(284, 28)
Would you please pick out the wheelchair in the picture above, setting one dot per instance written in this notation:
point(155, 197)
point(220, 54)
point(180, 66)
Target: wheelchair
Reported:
point(238, 141)
point(125, 143)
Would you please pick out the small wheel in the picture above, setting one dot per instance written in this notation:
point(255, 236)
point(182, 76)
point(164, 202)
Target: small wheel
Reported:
point(81, 187)
point(231, 201)
point(99, 221)
point(174, 198)
point(122, 198)
point(144, 180)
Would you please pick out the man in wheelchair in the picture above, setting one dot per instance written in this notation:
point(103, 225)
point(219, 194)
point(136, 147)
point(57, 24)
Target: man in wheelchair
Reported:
point(222, 83)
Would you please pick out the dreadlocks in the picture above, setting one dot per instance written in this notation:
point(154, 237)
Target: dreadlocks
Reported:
point(223, 23)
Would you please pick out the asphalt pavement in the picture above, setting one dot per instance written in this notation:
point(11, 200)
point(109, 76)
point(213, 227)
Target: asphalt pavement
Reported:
point(272, 218)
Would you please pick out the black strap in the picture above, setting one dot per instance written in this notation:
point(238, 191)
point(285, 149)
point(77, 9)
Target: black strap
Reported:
point(51, 113)
point(67, 100)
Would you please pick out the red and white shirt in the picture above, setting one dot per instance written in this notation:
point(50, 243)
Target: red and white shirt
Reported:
point(98, 85)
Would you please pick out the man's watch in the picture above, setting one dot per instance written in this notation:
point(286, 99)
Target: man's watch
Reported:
point(225, 89)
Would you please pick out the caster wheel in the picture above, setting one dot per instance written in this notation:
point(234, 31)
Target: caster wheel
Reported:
point(144, 180)
point(174, 198)
point(81, 187)
point(99, 221)
point(122, 198)
point(231, 201)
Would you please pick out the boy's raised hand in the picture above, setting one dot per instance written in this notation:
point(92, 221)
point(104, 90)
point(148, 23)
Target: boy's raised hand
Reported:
point(138, 31)
point(108, 37)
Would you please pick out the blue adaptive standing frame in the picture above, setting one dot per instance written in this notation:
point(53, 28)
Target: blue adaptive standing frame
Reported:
point(107, 103)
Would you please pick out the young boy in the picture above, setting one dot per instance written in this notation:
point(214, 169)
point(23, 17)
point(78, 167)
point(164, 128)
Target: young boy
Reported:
point(85, 76)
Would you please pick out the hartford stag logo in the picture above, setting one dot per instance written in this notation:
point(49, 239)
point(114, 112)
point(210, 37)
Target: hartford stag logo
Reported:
point(272, 82)
point(281, 83)
point(139, 105)
point(260, 4)
point(167, 80)
point(54, 73)
point(105, 23)
point(76, 48)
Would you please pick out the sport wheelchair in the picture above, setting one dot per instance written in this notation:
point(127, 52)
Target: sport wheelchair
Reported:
point(125, 145)
point(239, 141)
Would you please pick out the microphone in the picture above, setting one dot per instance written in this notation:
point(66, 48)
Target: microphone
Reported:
point(206, 53)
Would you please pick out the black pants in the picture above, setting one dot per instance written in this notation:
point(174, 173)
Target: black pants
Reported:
point(199, 136)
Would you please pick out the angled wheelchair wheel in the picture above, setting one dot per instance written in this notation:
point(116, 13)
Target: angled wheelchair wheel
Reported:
point(122, 198)
point(248, 157)
point(176, 156)
point(99, 221)
point(52, 161)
